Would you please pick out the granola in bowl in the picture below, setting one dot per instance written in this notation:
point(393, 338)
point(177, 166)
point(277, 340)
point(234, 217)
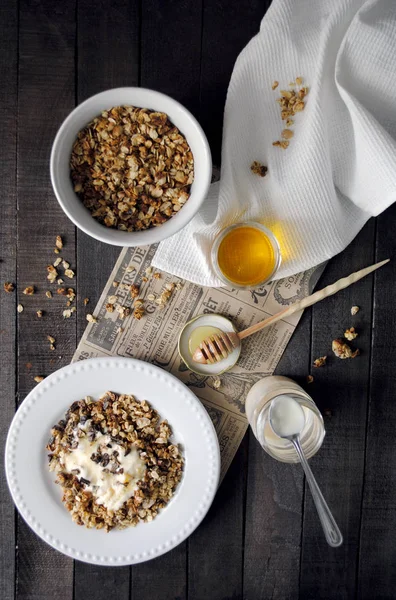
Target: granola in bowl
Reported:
point(132, 168)
point(115, 461)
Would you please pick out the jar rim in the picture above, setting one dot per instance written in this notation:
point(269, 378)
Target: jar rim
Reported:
point(221, 236)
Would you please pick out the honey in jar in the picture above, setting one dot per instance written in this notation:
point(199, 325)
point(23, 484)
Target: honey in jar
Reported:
point(246, 255)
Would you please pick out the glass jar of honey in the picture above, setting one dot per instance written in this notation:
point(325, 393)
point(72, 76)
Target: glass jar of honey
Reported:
point(246, 255)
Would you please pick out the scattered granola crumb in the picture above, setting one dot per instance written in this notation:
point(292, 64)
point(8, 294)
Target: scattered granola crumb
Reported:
point(342, 350)
point(309, 379)
point(51, 339)
point(151, 297)
point(299, 106)
point(85, 301)
point(71, 294)
point(320, 362)
point(138, 302)
point(52, 273)
point(39, 313)
point(138, 312)
point(275, 85)
point(165, 295)
point(291, 102)
point(109, 307)
point(178, 285)
point(116, 284)
point(130, 269)
point(350, 334)
point(65, 264)
point(157, 275)
point(120, 330)
point(48, 294)
point(29, 291)
point(91, 319)
point(20, 308)
point(281, 144)
point(144, 279)
point(134, 289)
point(56, 250)
point(287, 134)
point(112, 299)
point(52, 347)
point(123, 311)
point(355, 310)
point(216, 383)
point(60, 281)
point(69, 273)
point(258, 168)
point(149, 270)
point(57, 261)
point(73, 309)
point(61, 291)
point(67, 313)
point(59, 242)
point(9, 287)
point(38, 378)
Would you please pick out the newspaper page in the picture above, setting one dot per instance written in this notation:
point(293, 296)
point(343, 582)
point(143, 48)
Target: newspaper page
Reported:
point(154, 338)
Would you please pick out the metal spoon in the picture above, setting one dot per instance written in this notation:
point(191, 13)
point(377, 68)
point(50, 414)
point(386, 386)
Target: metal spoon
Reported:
point(330, 528)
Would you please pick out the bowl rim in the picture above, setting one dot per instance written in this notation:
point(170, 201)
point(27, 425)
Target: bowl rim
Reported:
point(205, 160)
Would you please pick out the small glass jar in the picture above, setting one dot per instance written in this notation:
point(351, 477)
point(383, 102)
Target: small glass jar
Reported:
point(258, 403)
point(246, 255)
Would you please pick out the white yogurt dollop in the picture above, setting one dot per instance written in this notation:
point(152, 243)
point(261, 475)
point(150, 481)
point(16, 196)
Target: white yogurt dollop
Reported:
point(109, 489)
point(287, 416)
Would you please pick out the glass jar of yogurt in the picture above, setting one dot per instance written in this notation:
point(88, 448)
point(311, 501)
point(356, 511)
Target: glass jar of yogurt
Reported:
point(258, 403)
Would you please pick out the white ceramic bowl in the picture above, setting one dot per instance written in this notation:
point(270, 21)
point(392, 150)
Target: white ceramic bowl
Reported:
point(81, 116)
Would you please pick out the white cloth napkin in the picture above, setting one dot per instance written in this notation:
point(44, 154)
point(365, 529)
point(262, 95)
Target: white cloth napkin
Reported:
point(340, 167)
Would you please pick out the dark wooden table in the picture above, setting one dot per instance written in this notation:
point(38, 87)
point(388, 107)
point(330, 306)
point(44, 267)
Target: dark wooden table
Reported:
point(261, 539)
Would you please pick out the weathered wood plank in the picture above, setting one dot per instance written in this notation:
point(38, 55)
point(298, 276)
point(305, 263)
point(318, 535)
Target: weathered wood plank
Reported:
point(340, 390)
point(377, 565)
point(46, 95)
point(171, 49)
point(170, 58)
point(8, 112)
point(107, 57)
point(275, 500)
point(227, 28)
point(215, 559)
point(217, 546)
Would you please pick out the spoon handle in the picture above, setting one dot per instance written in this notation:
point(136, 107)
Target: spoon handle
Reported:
point(312, 299)
point(330, 528)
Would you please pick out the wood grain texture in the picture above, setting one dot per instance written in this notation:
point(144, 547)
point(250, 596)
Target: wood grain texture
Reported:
point(108, 51)
point(377, 565)
point(215, 558)
point(163, 577)
point(171, 49)
point(340, 390)
point(170, 58)
point(227, 27)
point(46, 95)
point(8, 272)
point(275, 499)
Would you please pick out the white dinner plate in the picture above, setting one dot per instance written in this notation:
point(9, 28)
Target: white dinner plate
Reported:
point(38, 498)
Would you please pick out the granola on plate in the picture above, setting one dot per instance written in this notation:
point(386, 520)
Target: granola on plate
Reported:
point(115, 461)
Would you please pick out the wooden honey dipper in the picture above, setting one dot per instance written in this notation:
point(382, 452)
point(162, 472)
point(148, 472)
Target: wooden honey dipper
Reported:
point(216, 347)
